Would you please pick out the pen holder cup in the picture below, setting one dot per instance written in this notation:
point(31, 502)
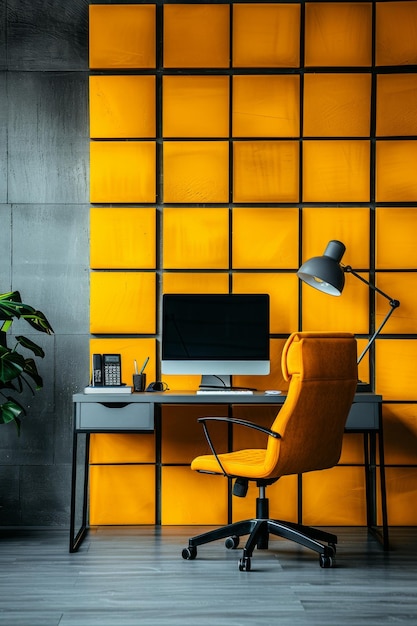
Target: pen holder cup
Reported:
point(139, 382)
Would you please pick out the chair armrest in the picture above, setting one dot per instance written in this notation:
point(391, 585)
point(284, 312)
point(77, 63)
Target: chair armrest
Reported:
point(234, 420)
point(238, 422)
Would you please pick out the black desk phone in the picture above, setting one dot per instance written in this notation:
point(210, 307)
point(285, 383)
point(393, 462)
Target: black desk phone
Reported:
point(106, 370)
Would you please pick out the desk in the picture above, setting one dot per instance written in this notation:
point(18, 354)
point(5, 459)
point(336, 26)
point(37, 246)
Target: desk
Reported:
point(141, 412)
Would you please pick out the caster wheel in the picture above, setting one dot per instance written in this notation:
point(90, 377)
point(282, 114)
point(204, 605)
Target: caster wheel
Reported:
point(326, 561)
point(244, 564)
point(189, 553)
point(232, 542)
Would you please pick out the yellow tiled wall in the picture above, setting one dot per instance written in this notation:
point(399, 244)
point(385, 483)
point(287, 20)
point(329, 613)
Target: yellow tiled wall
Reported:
point(230, 142)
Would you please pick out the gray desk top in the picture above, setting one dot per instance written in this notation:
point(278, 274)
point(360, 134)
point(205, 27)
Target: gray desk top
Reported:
point(191, 397)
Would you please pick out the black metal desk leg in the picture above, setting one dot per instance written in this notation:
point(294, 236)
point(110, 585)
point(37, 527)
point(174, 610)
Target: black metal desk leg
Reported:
point(385, 535)
point(371, 487)
point(77, 538)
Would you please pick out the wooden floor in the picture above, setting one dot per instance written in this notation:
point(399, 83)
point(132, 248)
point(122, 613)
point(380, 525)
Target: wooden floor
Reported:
point(135, 576)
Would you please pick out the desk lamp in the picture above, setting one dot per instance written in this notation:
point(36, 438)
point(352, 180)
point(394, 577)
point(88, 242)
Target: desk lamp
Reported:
point(326, 274)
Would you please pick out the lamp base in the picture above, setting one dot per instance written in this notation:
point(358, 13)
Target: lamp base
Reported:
point(363, 387)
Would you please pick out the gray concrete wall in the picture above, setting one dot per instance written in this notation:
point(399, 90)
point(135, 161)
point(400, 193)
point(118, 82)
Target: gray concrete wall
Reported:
point(44, 248)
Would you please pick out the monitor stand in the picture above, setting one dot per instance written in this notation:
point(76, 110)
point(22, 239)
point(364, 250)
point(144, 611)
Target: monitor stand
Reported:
point(211, 381)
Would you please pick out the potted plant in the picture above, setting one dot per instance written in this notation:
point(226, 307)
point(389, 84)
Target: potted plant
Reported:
point(16, 371)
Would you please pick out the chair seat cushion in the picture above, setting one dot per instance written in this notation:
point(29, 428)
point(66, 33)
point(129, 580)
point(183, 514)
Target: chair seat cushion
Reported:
point(245, 463)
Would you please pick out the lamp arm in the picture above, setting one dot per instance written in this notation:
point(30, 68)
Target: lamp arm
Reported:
point(394, 304)
point(376, 333)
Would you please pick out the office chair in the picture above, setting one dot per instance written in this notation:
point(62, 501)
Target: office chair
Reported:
point(305, 436)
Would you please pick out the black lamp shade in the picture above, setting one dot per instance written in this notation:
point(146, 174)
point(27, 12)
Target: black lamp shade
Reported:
point(325, 272)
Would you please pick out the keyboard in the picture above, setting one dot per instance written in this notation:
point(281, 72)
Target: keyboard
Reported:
point(224, 392)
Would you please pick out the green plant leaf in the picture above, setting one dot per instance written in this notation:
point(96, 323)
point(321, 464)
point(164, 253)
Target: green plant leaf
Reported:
point(30, 345)
point(12, 365)
point(11, 411)
point(32, 371)
point(16, 370)
point(38, 321)
point(11, 305)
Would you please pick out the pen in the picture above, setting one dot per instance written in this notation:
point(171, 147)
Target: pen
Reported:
point(135, 365)
point(144, 365)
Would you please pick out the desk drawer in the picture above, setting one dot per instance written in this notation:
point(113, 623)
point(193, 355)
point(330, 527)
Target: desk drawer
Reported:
point(363, 415)
point(114, 416)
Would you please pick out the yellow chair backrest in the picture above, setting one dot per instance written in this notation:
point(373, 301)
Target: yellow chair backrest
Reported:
point(322, 373)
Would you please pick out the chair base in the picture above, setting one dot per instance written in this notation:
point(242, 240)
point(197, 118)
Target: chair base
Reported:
point(259, 530)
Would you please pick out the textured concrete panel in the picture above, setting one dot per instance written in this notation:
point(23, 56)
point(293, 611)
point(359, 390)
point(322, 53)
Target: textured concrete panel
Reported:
point(10, 495)
point(72, 371)
point(47, 35)
point(3, 136)
point(50, 263)
point(48, 138)
point(3, 56)
point(45, 495)
point(44, 247)
point(5, 247)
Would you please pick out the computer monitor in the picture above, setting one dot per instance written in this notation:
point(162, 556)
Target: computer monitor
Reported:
point(215, 335)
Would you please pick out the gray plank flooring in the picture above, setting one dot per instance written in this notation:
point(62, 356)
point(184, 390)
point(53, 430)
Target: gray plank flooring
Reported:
point(130, 576)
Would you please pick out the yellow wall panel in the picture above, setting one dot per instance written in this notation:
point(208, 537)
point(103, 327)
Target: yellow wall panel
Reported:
point(349, 225)
point(336, 171)
point(266, 35)
point(192, 498)
point(222, 144)
point(338, 34)
point(194, 282)
point(122, 302)
point(283, 292)
point(345, 313)
point(400, 434)
point(122, 494)
point(183, 437)
point(402, 494)
point(271, 233)
point(395, 369)
point(122, 36)
point(181, 382)
point(266, 106)
point(196, 171)
point(337, 105)
point(131, 349)
point(396, 33)
point(399, 225)
point(396, 179)
point(196, 35)
point(396, 104)
point(196, 106)
point(265, 171)
point(122, 171)
point(122, 106)
point(122, 448)
point(352, 449)
point(122, 238)
point(198, 238)
point(334, 497)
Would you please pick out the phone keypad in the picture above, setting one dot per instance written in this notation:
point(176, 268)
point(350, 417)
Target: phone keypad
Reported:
point(112, 375)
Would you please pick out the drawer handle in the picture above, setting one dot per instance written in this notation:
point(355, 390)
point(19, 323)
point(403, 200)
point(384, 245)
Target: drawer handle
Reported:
point(114, 405)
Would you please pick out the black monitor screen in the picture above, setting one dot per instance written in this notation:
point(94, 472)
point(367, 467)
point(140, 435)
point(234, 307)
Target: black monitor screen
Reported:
point(215, 327)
